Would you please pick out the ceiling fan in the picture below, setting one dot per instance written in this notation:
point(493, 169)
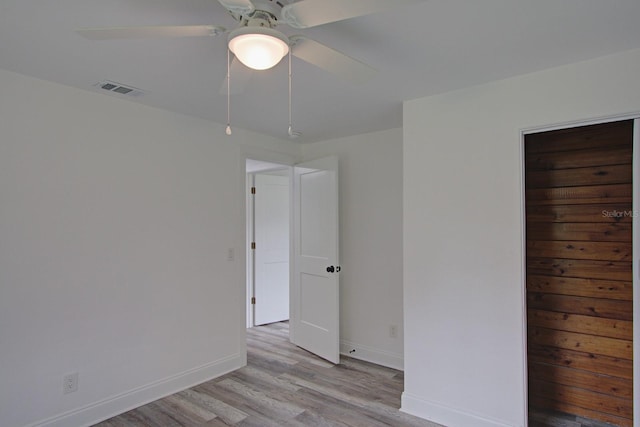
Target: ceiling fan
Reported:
point(257, 43)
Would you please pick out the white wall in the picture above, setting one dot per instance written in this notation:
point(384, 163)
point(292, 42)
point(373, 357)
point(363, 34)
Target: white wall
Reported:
point(370, 186)
point(463, 256)
point(115, 221)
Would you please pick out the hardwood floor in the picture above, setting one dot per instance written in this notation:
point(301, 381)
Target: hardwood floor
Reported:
point(283, 385)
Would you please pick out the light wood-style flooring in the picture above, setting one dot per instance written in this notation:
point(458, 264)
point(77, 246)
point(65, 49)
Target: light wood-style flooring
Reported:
point(283, 385)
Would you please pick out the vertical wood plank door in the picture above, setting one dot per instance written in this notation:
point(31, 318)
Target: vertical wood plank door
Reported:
point(578, 186)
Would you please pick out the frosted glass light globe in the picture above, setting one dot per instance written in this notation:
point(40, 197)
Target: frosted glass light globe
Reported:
point(258, 48)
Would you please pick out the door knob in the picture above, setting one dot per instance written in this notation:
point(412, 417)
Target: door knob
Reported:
point(330, 269)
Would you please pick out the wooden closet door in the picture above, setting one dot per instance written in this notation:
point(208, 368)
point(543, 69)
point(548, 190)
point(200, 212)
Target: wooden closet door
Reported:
point(579, 271)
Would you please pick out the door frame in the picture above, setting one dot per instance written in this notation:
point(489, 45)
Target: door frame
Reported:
point(635, 243)
point(240, 253)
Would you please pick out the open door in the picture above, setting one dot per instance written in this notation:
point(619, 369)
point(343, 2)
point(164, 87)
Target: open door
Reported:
point(315, 308)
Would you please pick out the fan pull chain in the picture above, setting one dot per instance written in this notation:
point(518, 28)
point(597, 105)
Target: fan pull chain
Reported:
point(228, 129)
point(290, 132)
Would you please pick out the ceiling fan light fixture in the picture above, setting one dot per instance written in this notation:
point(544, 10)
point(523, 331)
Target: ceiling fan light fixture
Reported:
point(258, 48)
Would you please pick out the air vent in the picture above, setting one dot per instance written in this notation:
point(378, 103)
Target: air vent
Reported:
point(119, 88)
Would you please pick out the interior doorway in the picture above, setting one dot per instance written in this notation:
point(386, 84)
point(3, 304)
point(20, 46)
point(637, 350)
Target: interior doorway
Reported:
point(312, 233)
point(579, 272)
point(268, 240)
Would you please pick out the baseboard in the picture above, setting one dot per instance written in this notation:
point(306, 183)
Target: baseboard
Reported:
point(444, 415)
point(373, 355)
point(99, 411)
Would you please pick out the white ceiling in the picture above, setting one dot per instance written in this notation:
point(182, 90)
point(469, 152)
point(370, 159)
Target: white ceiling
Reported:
point(430, 47)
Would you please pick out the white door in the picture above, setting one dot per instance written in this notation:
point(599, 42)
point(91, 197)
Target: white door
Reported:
point(271, 253)
point(315, 293)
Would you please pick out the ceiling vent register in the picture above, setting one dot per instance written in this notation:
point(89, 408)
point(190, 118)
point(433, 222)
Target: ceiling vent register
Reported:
point(119, 88)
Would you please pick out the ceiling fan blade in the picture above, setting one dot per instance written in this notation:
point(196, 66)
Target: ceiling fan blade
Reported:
point(240, 7)
point(111, 33)
point(331, 60)
point(240, 78)
point(309, 13)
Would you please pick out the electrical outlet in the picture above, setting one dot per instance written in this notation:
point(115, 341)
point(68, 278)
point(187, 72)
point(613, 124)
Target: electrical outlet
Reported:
point(70, 383)
point(231, 255)
point(393, 331)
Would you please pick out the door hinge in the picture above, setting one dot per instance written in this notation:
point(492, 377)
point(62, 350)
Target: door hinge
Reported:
point(253, 190)
point(253, 245)
point(253, 300)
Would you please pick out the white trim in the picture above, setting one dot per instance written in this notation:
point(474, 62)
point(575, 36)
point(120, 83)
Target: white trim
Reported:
point(278, 159)
point(441, 414)
point(636, 270)
point(579, 123)
point(373, 355)
point(250, 267)
point(102, 410)
point(523, 278)
point(293, 311)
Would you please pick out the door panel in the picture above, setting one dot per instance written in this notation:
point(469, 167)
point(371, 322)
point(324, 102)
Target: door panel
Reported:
point(315, 293)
